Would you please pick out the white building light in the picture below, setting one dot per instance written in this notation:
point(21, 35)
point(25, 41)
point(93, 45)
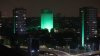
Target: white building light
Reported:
point(16, 16)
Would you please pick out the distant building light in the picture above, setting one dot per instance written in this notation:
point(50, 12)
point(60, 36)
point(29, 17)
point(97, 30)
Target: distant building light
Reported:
point(87, 38)
point(16, 24)
point(21, 30)
point(38, 50)
point(16, 16)
point(0, 23)
point(16, 11)
point(51, 54)
point(50, 48)
point(24, 17)
point(90, 53)
point(47, 53)
point(87, 22)
point(95, 32)
point(94, 22)
point(78, 32)
point(82, 11)
point(24, 24)
point(55, 30)
point(73, 29)
point(43, 46)
point(85, 45)
point(95, 36)
point(0, 37)
point(33, 51)
point(0, 26)
point(92, 29)
point(89, 45)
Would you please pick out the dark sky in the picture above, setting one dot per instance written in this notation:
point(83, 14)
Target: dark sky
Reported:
point(65, 7)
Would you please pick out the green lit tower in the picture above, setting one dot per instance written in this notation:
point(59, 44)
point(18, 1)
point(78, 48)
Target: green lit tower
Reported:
point(89, 24)
point(83, 18)
point(46, 19)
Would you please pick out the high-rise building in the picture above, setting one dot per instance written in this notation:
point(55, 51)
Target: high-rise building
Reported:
point(89, 23)
point(19, 15)
point(47, 19)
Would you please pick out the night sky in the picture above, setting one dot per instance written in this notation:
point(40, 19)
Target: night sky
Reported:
point(65, 7)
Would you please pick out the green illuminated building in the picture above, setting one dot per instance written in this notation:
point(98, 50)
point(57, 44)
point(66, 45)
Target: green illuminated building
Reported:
point(83, 20)
point(89, 24)
point(46, 19)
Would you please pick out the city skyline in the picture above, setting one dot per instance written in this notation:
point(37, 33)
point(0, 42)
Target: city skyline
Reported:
point(65, 7)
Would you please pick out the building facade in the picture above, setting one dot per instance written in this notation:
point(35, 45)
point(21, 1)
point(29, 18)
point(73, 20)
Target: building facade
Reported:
point(46, 19)
point(89, 24)
point(19, 15)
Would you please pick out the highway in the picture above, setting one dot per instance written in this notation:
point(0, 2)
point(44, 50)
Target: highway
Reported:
point(57, 52)
point(62, 53)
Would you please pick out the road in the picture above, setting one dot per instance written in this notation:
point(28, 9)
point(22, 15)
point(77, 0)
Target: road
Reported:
point(62, 53)
point(58, 52)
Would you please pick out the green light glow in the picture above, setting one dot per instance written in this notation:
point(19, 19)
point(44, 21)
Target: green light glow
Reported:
point(82, 29)
point(47, 20)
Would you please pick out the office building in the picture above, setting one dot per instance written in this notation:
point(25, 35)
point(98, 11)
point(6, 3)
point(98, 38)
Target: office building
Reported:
point(89, 23)
point(19, 15)
point(47, 19)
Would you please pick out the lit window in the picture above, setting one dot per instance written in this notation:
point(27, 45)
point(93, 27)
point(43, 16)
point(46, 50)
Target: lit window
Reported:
point(21, 30)
point(87, 22)
point(95, 32)
point(33, 51)
point(92, 29)
point(16, 16)
point(51, 54)
point(82, 11)
point(16, 24)
point(16, 11)
point(78, 32)
point(24, 15)
point(25, 18)
point(55, 30)
point(94, 22)
point(95, 36)
point(0, 26)
point(87, 38)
